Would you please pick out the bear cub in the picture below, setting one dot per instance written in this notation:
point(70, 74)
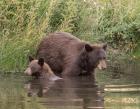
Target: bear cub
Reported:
point(39, 68)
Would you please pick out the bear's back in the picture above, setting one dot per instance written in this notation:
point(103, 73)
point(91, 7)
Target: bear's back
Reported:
point(60, 39)
point(58, 47)
point(59, 42)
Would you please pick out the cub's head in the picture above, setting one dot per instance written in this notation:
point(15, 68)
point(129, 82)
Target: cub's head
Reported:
point(35, 67)
point(93, 56)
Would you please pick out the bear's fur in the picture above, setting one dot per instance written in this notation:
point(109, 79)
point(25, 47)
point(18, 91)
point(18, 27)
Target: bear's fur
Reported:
point(39, 68)
point(68, 55)
point(43, 76)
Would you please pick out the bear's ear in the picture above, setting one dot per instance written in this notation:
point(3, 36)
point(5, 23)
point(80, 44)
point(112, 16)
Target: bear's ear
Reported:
point(41, 61)
point(88, 48)
point(105, 47)
point(30, 58)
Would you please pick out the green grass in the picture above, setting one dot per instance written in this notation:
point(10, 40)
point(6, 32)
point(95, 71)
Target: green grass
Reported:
point(22, 25)
point(24, 22)
point(136, 53)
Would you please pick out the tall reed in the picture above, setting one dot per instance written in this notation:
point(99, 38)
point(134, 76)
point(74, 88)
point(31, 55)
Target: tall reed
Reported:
point(24, 22)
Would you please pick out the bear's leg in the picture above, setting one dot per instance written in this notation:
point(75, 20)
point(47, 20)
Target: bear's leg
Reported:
point(71, 70)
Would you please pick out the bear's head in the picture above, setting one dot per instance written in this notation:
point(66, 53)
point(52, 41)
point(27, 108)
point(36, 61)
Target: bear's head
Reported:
point(35, 67)
point(93, 56)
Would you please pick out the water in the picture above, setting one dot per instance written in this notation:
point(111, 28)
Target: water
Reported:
point(118, 87)
point(74, 92)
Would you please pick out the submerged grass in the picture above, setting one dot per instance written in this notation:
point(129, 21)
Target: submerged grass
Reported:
point(122, 100)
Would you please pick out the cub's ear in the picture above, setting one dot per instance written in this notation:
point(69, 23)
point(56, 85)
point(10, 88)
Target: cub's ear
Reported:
point(30, 58)
point(41, 61)
point(88, 48)
point(105, 47)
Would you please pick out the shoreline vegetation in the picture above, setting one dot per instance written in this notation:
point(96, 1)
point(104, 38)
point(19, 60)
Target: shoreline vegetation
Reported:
point(23, 23)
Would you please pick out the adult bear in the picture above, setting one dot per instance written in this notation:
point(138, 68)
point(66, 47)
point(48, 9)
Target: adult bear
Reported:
point(68, 55)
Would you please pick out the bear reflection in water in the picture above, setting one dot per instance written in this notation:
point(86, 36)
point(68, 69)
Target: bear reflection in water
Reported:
point(81, 88)
point(38, 86)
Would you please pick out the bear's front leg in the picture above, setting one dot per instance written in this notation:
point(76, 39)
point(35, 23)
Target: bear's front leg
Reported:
point(71, 70)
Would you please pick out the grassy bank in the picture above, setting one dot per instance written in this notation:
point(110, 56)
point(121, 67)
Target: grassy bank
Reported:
point(24, 22)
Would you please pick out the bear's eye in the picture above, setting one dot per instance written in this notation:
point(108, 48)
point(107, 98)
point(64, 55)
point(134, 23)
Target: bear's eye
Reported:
point(104, 58)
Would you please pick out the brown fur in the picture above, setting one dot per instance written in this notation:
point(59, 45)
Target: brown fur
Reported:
point(69, 55)
point(43, 75)
point(38, 67)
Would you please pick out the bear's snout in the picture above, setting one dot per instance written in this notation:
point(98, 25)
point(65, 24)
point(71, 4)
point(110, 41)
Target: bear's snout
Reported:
point(102, 65)
point(28, 71)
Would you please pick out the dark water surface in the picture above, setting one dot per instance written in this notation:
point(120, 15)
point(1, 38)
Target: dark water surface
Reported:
point(118, 87)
